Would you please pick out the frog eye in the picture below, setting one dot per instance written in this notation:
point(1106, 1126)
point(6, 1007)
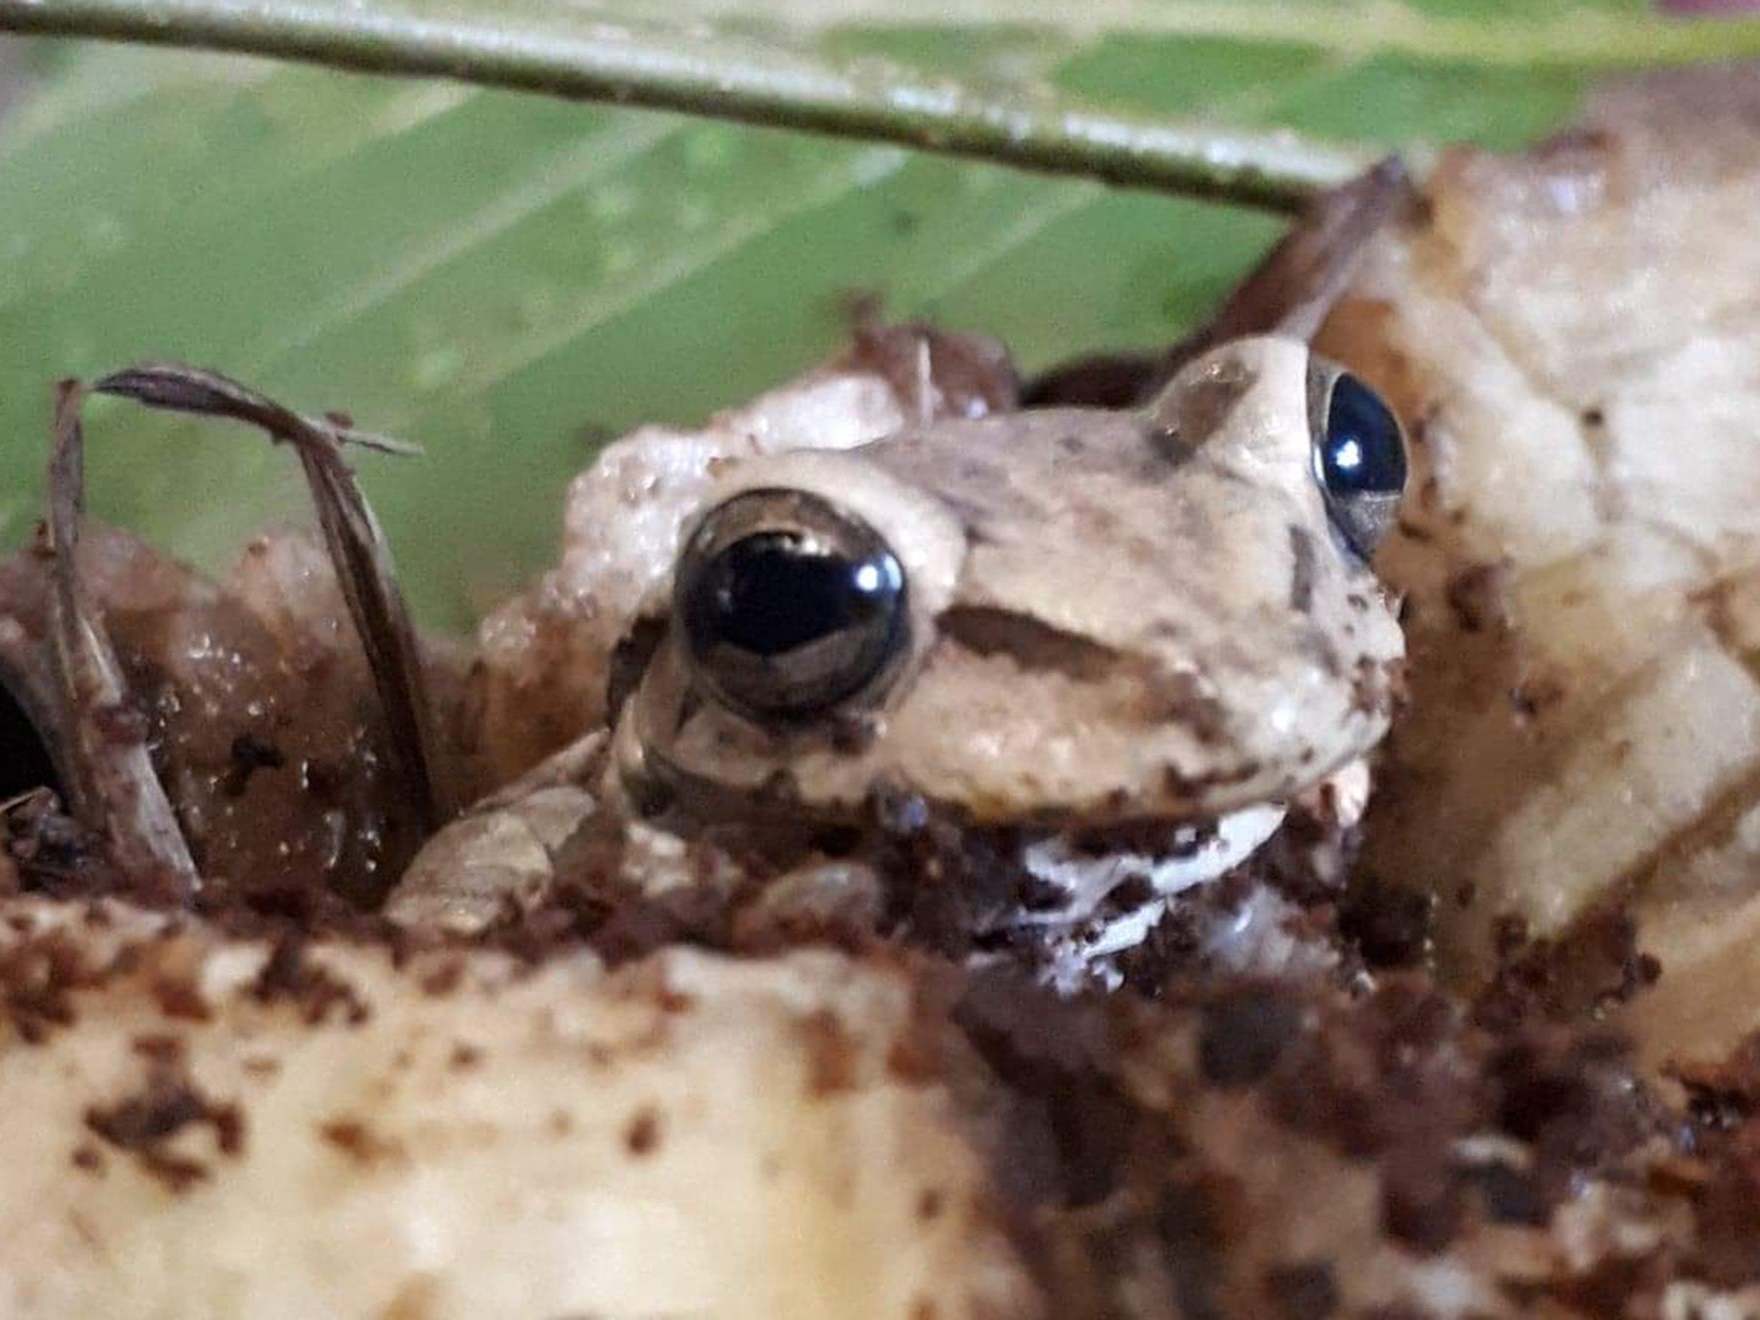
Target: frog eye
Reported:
point(788, 606)
point(1359, 457)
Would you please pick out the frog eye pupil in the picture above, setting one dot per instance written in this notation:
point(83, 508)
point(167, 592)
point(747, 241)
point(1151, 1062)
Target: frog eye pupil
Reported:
point(790, 619)
point(1363, 449)
point(773, 593)
point(1360, 460)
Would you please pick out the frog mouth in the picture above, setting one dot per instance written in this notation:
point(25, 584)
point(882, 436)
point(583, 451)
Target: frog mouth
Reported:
point(1078, 874)
point(1092, 895)
point(1095, 893)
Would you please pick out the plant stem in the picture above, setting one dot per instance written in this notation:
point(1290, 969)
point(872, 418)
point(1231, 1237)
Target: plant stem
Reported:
point(730, 78)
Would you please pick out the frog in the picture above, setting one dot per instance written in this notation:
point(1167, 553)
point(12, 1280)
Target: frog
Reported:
point(1118, 645)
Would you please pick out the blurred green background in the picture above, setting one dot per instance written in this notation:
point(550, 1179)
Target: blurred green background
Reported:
point(508, 279)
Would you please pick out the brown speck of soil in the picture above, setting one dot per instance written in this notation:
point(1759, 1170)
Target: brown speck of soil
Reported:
point(145, 1124)
point(831, 1054)
point(360, 1143)
point(465, 1056)
point(642, 1136)
point(1389, 924)
point(38, 977)
point(291, 976)
point(180, 997)
point(249, 754)
point(445, 978)
point(165, 1050)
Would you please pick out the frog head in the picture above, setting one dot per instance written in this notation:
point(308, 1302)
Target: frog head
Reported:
point(1066, 616)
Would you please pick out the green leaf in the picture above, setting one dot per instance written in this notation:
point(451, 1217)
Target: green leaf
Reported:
point(775, 82)
point(508, 278)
